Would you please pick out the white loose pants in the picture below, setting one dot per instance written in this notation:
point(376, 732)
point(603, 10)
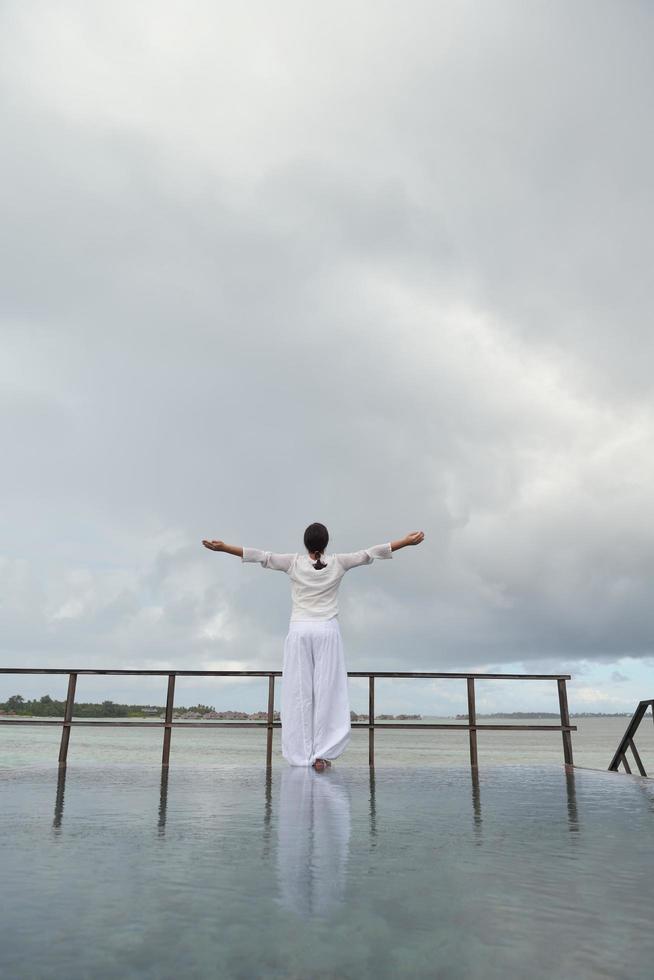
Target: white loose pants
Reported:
point(315, 709)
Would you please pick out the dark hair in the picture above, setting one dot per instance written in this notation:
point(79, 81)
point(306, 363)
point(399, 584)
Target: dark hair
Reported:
point(316, 538)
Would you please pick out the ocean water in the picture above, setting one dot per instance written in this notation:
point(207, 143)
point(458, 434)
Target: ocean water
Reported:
point(117, 871)
point(594, 744)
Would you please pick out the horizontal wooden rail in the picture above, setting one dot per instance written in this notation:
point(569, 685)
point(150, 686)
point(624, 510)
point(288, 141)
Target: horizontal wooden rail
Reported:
point(472, 726)
point(454, 727)
point(277, 673)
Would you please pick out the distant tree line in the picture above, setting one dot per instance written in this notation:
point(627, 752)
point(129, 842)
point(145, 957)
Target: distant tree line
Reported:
point(47, 707)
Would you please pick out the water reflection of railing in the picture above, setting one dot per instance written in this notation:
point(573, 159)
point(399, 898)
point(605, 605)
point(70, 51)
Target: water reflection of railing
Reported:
point(292, 786)
point(372, 725)
point(627, 741)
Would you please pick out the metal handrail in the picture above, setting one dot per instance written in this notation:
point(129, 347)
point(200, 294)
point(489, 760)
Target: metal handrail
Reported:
point(627, 741)
point(472, 727)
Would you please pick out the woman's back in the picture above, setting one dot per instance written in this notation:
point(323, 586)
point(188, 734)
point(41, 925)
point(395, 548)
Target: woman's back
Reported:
point(314, 591)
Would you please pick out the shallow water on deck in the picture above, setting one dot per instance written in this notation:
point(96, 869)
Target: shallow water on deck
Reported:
point(413, 872)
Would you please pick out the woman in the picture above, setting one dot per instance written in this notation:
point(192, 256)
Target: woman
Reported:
point(315, 710)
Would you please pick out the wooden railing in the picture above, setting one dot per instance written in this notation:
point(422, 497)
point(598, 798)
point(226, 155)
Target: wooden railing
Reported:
point(627, 741)
point(472, 727)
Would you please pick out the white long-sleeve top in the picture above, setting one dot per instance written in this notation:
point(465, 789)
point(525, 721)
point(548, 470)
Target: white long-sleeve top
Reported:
point(315, 591)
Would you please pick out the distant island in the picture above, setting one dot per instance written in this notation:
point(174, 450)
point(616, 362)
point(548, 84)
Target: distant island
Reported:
point(47, 707)
point(355, 717)
point(549, 714)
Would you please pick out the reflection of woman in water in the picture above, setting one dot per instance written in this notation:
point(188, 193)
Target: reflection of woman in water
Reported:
point(315, 710)
point(313, 839)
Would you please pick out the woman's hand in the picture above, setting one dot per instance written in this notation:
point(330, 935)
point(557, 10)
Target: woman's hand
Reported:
point(415, 537)
point(228, 549)
point(214, 545)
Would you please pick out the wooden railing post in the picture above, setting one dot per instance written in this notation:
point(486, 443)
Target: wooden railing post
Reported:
point(637, 759)
point(371, 720)
point(472, 722)
point(68, 717)
point(271, 718)
point(565, 720)
point(627, 741)
point(168, 720)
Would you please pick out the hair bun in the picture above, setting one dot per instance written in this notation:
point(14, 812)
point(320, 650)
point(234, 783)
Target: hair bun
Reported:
point(316, 539)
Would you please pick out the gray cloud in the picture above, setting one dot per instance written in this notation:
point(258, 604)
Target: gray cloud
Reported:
point(390, 279)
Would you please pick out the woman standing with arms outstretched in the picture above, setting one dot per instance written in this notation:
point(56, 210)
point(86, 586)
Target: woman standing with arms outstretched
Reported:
point(315, 710)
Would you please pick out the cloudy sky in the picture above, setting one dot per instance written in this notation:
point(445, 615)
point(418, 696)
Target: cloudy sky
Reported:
point(382, 266)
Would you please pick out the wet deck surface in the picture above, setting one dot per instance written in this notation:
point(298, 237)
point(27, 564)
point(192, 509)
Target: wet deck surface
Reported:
point(524, 871)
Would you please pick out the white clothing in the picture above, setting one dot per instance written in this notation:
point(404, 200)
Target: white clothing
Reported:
point(315, 709)
point(315, 591)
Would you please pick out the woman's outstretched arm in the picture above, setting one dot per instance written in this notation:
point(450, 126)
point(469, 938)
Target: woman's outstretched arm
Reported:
point(267, 559)
point(368, 555)
point(229, 549)
point(414, 538)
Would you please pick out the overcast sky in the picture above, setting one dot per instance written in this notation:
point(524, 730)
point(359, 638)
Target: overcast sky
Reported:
point(382, 266)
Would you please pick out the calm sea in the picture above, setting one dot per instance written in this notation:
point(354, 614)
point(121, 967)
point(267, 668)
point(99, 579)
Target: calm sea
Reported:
point(594, 744)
